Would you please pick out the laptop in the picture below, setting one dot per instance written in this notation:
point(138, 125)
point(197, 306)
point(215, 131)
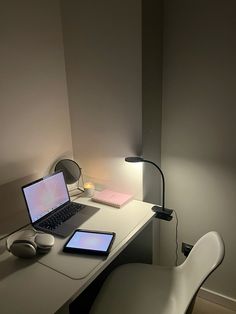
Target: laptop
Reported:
point(50, 208)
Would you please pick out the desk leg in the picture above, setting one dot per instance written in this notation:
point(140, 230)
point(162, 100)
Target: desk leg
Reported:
point(155, 241)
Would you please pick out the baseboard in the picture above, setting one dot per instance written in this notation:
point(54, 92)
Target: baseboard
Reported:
point(218, 298)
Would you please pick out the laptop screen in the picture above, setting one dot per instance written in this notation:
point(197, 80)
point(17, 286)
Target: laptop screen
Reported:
point(45, 195)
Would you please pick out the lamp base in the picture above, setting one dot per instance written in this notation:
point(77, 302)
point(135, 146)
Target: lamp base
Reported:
point(162, 213)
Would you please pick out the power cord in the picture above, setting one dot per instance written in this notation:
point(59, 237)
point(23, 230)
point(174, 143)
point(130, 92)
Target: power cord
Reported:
point(176, 238)
point(166, 215)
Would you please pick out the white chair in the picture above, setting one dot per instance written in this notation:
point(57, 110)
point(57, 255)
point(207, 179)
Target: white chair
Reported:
point(151, 289)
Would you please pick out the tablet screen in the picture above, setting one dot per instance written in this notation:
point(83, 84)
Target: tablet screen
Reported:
point(87, 241)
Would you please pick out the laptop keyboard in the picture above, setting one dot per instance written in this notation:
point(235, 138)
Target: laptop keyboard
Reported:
point(58, 218)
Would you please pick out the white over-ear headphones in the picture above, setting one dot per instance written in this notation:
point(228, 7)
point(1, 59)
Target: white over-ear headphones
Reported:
point(29, 242)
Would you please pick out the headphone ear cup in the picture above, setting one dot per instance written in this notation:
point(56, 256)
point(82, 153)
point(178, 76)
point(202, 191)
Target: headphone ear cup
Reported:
point(27, 243)
point(23, 248)
point(44, 242)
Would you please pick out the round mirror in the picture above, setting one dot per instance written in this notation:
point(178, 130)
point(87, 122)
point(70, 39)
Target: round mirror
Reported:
point(71, 170)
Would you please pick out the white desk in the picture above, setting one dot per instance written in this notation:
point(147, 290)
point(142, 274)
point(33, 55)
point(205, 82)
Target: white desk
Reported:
point(41, 286)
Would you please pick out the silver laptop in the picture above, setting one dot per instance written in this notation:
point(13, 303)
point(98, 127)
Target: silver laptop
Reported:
point(49, 206)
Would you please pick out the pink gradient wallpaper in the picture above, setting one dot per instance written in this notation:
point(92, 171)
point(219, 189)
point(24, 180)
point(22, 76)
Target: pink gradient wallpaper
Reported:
point(91, 241)
point(46, 195)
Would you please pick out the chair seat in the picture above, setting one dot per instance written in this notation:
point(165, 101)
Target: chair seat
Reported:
point(138, 289)
point(152, 289)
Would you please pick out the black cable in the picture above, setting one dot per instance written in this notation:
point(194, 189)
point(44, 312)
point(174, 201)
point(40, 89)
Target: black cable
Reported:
point(176, 238)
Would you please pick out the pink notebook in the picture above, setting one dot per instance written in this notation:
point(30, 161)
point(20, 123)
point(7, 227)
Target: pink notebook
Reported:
point(111, 198)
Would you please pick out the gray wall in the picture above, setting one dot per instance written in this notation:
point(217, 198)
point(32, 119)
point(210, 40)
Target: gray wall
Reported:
point(34, 116)
point(103, 61)
point(103, 53)
point(103, 64)
point(152, 21)
point(198, 140)
point(152, 94)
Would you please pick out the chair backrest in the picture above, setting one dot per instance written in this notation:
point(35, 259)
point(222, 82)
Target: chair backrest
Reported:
point(206, 255)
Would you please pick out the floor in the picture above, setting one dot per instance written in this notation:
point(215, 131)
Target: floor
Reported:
point(203, 306)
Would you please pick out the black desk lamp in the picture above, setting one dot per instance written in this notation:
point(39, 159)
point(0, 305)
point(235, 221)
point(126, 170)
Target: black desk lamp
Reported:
point(161, 211)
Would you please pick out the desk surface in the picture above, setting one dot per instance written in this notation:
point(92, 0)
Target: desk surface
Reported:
point(43, 285)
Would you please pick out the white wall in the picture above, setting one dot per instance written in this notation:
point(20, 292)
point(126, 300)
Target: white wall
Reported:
point(198, 143)
point(152, 21)
point(103, 61)
point(34, 116)
point(103, 64)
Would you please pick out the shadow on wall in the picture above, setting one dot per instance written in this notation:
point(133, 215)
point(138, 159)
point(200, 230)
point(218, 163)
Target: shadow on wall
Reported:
point(13, 211)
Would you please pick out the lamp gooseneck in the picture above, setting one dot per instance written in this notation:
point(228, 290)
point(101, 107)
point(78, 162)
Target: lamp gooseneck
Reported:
point(163, 181)
point(161, 212)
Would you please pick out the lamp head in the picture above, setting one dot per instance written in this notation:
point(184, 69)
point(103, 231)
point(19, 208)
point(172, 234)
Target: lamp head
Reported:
point(133, 159)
